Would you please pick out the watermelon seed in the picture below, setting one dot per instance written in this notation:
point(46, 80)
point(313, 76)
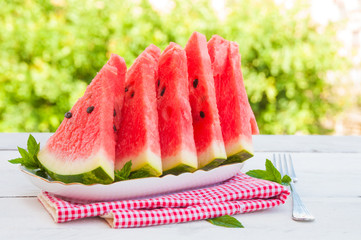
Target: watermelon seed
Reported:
point(114, 128)
point(132, 95)
point(202, 114)
point(158, 82)
point(126, 89)
point(114, 113)
point(68, 115)
point(162, 92)
point(195, 83)
point(90, 109)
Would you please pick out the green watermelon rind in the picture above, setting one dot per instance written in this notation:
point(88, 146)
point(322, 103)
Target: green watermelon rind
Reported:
point(213, 157)
point(146, 170)
point(238, 157)
point(213, 164)
point(183, 161)
point(96, 169)
point(98, 175)
point(181, 168)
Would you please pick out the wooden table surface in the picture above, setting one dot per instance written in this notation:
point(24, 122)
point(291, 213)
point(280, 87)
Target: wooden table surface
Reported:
point(328, 169)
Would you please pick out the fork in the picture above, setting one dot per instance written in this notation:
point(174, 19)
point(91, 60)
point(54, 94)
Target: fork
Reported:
point(299, 210)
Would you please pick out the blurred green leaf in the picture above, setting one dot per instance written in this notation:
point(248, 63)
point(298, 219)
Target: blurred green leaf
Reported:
point(123, 174)
point(50, 51)
point(226, 221)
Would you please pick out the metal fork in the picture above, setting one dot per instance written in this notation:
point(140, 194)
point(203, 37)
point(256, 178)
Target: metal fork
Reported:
point(299, 210)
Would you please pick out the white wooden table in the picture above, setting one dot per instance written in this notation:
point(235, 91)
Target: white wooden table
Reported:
point(329, 173)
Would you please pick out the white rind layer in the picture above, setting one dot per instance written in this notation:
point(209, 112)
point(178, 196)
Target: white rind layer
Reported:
point(70, 167)
point(182, 157)
point(238, 145)
point(146, 157)
point(216, 150)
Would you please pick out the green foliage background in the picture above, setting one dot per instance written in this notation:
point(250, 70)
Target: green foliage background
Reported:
point(50, 51)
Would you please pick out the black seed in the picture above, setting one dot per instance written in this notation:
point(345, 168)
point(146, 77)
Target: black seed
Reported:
point(162, 92)
point(132, 95)
point(114, 113)
point(90, 109)
point(114, 128)
point(68, 115)
point(158, 82)
point(195, 83)
point(126, 89)
point(202, 114)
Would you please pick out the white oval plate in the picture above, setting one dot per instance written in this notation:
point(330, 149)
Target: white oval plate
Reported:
point(135, 188)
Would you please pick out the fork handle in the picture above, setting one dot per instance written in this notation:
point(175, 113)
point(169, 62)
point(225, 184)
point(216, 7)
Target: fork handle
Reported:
point(299, 210)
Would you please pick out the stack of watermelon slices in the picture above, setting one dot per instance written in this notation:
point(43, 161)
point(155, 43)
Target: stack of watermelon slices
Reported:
point(169, 113)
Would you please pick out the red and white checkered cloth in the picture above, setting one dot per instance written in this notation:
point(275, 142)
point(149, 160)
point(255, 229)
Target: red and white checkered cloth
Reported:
point(238, 195)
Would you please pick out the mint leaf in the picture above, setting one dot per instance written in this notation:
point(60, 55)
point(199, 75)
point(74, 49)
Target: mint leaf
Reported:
point(123, 174)
point(274, 174)
point(261, 174)
point(27, 159)
point(286, 180)
point(271, 174)
point(225, 221)
point(16, 160)
point(35, 154)
point(24, 154)
point(33, 146)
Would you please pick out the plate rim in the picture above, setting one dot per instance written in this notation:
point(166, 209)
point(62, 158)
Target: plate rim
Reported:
point(30, 173)
point(109, 192)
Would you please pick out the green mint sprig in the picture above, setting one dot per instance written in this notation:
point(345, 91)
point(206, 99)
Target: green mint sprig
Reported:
point(29, 157)
point(225, 221)
point(123, 174)
point(271, 174)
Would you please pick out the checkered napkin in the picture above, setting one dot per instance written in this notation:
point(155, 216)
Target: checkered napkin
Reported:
point(238, 195)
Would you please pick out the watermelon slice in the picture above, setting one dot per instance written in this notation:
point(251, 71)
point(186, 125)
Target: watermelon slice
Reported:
point(83, 147)
point(207, 130)
point(174, 113)
point(138, 137)
point(236, 116)
point(119, 63)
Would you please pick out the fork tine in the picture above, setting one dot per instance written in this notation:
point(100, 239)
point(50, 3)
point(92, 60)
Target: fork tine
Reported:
point(274, 160)
point(286, 165)
point(280, 165)
point(294, 177)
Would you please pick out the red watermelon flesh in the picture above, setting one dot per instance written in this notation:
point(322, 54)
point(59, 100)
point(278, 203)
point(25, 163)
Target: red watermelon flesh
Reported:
point(235, 60)
point(83, 147)
point(119, 63)
point(254, 125)
point(206, 125)
point(236, 116)
point(138, 137)
point(174, 113)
